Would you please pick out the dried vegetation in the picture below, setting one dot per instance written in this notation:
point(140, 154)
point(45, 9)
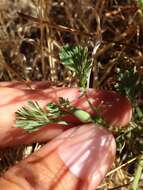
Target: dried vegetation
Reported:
point(32, 33)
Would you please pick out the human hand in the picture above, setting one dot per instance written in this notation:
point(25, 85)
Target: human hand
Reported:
point(79, 158)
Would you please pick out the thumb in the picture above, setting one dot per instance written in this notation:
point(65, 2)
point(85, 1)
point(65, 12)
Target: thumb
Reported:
point(77, 159)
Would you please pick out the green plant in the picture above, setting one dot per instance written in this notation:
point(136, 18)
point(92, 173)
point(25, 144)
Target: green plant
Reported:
point(140, 3)
point(32, 117)
point(130, 83)
point(129, 141)
point(75, 58)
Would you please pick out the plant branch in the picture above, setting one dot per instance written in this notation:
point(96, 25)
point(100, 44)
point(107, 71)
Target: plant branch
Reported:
point(138, 174)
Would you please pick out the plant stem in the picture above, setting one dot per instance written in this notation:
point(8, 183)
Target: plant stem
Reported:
point(138, 172)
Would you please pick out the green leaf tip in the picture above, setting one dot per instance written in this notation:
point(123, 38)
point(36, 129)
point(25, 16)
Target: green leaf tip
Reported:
point(75, 58)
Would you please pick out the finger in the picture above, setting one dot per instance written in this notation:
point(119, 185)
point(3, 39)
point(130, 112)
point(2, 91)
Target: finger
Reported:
point(77, 159)
point(115, 109)
point(26, 84)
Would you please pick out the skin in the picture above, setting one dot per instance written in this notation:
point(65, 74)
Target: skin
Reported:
point(26, 84)
point(58, 165)
point(115, 109)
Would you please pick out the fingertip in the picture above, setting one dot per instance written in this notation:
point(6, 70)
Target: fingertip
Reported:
point(73, 160)
point(118, 110)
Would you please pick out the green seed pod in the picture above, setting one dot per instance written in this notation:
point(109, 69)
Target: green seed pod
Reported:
point(83, 116)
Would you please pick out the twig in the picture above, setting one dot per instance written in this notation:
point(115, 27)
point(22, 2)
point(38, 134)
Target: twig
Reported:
point(123, 165)
point(55, 26)
point(138, 172)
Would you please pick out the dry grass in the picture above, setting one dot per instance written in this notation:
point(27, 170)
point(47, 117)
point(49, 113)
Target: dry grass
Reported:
point(33, 31)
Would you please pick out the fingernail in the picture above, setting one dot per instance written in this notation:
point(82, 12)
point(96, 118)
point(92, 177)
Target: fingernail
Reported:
point(88, 152)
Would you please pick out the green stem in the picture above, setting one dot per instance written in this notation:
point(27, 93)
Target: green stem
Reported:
point(138, 172)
